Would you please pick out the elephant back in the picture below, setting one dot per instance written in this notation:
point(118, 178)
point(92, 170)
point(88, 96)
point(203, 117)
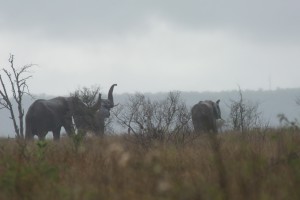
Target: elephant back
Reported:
point(204, 115)
point(45, 115)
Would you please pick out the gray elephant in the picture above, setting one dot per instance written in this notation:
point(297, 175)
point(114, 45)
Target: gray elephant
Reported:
point(205, 115)
point(50, 115)
point(104, 112)
point(95, 121)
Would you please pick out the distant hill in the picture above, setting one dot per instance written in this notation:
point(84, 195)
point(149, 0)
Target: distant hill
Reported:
point(271, 103)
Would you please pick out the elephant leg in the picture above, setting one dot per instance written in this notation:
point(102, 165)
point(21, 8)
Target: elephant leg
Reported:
point(197, 126)
point(198, 130)
point(56, 134)
point(206, 128)
point(215, 129)
point(69, 129)
point(68, 125)
point(101, 132)
point(99, 127)
point(29, 136)
point(42, 136)
point(214, 126)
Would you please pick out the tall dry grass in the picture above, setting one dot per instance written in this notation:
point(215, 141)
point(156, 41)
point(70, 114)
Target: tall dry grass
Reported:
point(229, 166)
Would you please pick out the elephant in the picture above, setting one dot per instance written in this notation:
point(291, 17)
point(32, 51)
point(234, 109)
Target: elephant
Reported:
point(50, 115)
point(104, 112)
point(205, 115)
point(97, 124)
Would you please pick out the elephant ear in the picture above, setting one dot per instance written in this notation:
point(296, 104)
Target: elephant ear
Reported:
point(97, 104)
point(76, 106)
point(70, 104)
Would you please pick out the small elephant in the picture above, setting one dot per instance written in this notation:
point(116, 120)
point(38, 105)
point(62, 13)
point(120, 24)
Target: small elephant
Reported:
point(205, 115)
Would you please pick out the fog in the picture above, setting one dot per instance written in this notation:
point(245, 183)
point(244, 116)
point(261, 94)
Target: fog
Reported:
point(153, 46)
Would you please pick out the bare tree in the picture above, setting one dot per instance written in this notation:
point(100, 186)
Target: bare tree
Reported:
point(287, 123)
point(160, 119)
point(17, 79)
point(87, 95)
point(244, 115)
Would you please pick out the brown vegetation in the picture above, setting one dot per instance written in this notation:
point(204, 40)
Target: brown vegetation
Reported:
point(228, 166)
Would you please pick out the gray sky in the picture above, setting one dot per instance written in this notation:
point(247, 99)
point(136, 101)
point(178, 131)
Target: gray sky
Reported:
point(153, 46)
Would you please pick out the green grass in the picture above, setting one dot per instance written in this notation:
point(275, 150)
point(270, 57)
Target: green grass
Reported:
point(231, 166)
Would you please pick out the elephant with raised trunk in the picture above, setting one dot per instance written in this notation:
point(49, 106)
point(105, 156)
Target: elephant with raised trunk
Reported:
point(104, 112)
point(50, 115)
point(97, 124)
point(205, 115)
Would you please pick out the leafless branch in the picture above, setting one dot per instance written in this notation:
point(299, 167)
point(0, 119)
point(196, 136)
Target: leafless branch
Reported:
point(244, 115)
point(19, 87)
point(161, 119)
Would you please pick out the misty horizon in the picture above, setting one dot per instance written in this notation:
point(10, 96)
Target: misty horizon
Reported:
point(271, 103)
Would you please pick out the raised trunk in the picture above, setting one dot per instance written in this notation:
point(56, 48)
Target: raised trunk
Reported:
point(110, 95)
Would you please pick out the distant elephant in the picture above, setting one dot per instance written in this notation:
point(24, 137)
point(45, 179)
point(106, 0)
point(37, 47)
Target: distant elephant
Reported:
point(205, 115)
point(50, 115)
point(96, 121)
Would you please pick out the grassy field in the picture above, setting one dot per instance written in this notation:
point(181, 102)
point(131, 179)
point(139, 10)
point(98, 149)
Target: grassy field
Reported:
point(229, 166)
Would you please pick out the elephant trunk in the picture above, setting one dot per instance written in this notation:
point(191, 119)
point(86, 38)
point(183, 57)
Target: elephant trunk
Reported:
point(110, 96)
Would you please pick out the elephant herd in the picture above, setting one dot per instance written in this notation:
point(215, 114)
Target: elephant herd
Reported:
point(69, 112)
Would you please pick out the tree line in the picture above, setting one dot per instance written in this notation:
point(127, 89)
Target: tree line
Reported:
point(141, 116)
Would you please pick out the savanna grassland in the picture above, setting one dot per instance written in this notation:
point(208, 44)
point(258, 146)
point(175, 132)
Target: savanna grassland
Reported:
point(232, 166)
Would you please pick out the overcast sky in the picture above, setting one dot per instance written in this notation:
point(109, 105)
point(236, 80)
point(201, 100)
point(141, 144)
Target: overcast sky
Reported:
point(155, 45)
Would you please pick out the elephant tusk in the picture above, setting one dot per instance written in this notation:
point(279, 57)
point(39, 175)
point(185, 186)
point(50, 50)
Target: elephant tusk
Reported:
point(116, 105)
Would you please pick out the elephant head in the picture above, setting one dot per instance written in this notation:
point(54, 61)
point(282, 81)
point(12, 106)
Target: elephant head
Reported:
point(83, 115)
point(104, 111)
point(205, 115)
